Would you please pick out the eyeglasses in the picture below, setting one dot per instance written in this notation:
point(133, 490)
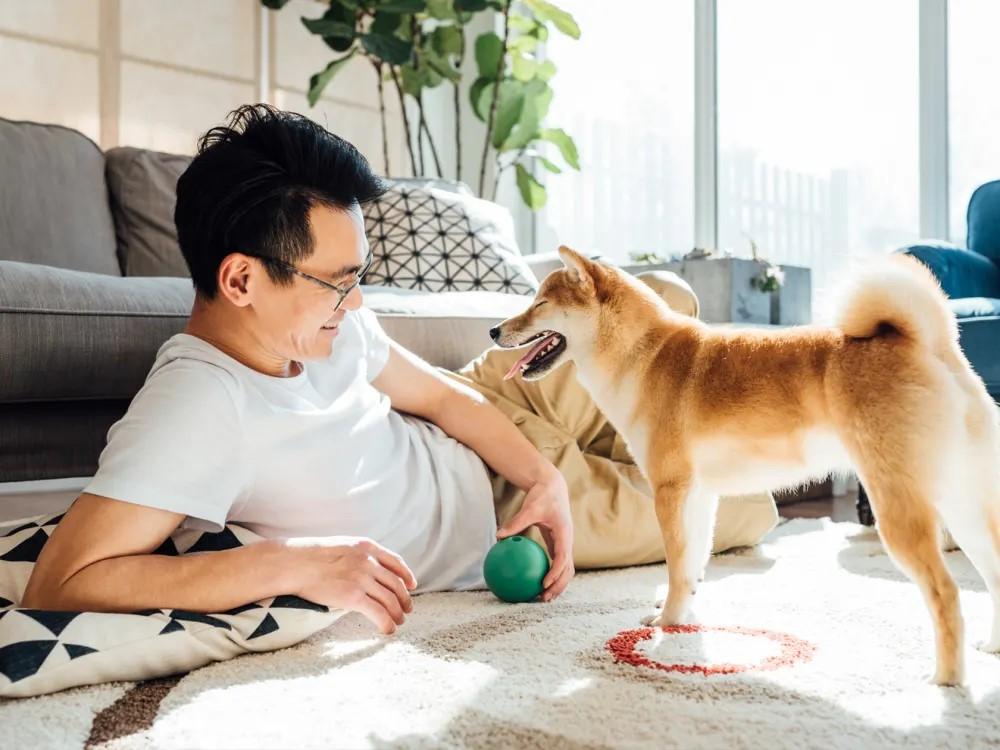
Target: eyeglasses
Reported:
point(342, 292)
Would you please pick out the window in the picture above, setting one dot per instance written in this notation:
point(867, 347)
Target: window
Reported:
point(625, 92)
point(818, 117)
point(974, 109)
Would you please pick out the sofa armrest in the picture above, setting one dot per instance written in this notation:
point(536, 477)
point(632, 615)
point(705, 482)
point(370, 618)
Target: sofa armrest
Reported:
point(447, 329)
point(961, 272)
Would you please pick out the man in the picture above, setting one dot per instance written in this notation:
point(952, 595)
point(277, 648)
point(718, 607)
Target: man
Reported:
point(285, 407)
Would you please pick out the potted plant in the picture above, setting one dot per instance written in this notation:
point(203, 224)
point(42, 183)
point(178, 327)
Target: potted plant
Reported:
point(416, 45)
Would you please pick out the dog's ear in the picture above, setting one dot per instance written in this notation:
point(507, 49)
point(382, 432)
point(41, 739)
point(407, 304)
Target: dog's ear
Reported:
point(579, 267)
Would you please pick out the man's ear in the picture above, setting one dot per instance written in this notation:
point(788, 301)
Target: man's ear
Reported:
point(578, 266)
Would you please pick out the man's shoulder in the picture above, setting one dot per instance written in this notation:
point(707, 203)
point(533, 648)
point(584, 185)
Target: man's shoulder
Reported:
point(192, 380)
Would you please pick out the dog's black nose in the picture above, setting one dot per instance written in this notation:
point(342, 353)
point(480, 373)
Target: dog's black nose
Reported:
point(495, 332)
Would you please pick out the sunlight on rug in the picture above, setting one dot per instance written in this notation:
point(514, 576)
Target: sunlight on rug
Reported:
point(813, 639)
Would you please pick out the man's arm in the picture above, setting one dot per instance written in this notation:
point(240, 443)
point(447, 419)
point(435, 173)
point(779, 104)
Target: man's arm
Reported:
point(99, 559)
point(415, 387)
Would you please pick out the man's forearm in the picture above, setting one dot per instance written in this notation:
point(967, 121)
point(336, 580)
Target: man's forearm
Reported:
point(469, 417)
point(202, 582)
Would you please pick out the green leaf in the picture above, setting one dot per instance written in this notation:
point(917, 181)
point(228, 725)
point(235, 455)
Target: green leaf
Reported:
point(509, 110)
point(548, 164)
point(537, 98)
point(470, 6)
point(340, 20)
point(338, 43)
point(532, 192)
point(441, 66)
point(523, 44)
point(523, 68)
point(564, 143)
point(385, 24)
point(447, 40)
point(546, 69)
point(319, 81)
point(328, 27)
point(341, 10)
point(521, 23)
point(274, 4)
point(478, 99)
point(546, 11)
point(390, 49)
point(442, 10)
point(401, 6)
point(489, 51)
point(413, 80)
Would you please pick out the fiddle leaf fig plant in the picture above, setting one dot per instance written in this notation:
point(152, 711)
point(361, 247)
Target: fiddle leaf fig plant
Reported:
point(417, 45)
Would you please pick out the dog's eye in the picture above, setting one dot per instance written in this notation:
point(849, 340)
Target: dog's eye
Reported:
point(539, 304)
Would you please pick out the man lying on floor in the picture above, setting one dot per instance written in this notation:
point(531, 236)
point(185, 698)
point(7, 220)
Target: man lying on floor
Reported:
point(284, 407)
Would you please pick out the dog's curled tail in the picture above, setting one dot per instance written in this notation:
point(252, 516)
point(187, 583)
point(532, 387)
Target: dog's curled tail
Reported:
point(897, 294)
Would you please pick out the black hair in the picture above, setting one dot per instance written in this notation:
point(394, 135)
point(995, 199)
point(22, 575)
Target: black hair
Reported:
point(251, 185)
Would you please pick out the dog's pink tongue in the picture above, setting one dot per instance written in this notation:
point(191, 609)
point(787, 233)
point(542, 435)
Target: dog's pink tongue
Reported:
point(516, 367)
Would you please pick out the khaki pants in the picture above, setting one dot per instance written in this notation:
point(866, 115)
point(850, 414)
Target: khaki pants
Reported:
point(613, 515)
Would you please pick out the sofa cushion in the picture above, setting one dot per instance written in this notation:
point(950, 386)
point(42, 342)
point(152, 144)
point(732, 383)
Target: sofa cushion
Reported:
point(143, 189)
point(89, 336)
point(42, 651)
point(80, 335)
point(438, 241)
point(53, 200)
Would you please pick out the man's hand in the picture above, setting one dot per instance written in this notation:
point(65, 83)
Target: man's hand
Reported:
point(356, 574)
point(547, 506)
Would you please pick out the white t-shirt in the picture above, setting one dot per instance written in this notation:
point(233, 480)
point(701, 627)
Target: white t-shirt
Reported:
point(318, 454)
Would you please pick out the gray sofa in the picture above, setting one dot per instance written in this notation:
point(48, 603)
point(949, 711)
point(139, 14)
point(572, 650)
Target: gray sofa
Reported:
point(89, 292)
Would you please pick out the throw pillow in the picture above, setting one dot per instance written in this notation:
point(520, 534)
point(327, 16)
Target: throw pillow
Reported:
point(437, 241)
point(42, 651)
point(143, 189)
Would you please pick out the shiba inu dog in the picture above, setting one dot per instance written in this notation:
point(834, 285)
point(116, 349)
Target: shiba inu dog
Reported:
point(708, 410)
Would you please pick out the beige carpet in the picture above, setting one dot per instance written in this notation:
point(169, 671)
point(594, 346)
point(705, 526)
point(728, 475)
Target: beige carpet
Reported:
point(812, 640)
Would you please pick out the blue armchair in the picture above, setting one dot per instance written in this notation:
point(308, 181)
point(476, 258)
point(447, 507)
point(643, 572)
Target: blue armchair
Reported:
point(971, 279)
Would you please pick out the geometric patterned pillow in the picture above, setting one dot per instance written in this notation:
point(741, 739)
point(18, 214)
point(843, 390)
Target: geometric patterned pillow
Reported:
point(437, 241)
point(42, 651)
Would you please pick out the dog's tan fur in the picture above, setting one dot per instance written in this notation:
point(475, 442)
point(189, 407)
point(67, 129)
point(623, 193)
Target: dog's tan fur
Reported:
point(708, 411)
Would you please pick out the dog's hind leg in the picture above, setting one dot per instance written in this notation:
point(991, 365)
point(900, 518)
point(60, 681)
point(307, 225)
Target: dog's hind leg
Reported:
point(970, 507)
point(908, 525)
point(686, 518)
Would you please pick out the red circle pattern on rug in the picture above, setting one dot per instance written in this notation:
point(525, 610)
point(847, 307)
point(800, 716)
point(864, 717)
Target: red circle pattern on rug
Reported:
point(793, 650)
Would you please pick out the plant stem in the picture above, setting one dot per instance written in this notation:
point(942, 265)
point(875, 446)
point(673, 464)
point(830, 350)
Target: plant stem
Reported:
point(430, 139)
point(406, 119)
point(496, 97)
point(458, 111)
point(420, 136)
point(381, 113)
point(500, 171)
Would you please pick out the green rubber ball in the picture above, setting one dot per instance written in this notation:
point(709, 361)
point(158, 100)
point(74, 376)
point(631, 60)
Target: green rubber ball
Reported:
point(514, 569)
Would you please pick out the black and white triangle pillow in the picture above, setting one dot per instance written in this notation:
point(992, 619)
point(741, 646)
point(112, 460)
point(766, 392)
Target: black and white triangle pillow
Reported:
point(43, 651)
point(440, 241)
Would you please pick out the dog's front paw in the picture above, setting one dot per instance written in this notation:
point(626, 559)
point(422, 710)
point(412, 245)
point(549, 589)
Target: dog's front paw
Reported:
point(948, 676)
point(664, 618)
point(653, 620)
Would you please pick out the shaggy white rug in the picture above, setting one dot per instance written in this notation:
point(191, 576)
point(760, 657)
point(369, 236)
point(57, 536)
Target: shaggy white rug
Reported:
point(811, 640)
